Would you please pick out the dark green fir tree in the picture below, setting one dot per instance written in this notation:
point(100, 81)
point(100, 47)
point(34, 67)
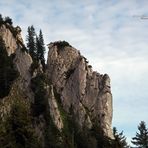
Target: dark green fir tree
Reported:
point(31, 45)
point(16, 130)
point(141, 138)
point(120, 139)
point(40, 46)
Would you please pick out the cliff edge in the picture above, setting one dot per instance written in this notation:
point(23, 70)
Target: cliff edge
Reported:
point(87, 92)
point(67, 104)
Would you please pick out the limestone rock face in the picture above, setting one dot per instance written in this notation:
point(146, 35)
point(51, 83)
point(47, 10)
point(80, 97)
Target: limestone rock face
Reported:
point(9, 39)
point(14, 44)
point(22, 62)
point(54, 111)
point(80, 88)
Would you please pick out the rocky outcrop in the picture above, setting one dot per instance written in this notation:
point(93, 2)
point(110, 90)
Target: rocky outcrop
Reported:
point(80, 88)
point(9, 39)
point(54, 111)
point(22, 62)
point(14, 45)
point(67, 92)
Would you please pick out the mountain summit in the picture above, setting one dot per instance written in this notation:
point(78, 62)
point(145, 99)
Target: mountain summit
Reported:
point(80, 88)
point(66, 105)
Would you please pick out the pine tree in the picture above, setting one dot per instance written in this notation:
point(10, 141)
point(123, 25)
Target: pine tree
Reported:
point(40, 48)
point(16, 130)
point(141, 138)
point(31, 45)
point(120, 140)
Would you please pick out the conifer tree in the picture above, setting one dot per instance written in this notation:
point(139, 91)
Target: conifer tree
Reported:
point(31, 42)
point(120, 140)
point(16, 130)
point(141, 138)
point(40, 48)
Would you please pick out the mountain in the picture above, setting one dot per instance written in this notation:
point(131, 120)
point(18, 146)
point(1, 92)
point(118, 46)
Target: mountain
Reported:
point(67, 105)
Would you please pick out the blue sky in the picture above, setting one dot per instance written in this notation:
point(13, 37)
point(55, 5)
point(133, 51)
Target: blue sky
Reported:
point(105, 32)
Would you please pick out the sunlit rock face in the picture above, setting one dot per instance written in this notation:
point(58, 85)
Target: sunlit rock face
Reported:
point(21, 62)
point(14, 45)
point(71, 85)
point(87, 92)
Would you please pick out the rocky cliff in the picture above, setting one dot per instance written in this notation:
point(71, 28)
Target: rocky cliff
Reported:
point(65, 99)
point(13, 44)
point(80, 88)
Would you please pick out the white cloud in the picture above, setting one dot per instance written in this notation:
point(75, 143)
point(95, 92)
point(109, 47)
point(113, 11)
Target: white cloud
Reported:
point(106, 33)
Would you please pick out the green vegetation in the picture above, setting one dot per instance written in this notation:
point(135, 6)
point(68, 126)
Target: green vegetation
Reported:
point(36, 47)
point(8, 72)
point(70, 129)
point(16, 130)
point(74, 136)
point(14, 30)
point(120, 140)
point(40, 107)
point(52, 134)
point(40, 101)
point(61, 44)
point(17, 127)
point(40, 46)
point(102, 140)
point(5, 20)
point(31, 42)
point(141, 138)
point(34, 66)
point(8, 20)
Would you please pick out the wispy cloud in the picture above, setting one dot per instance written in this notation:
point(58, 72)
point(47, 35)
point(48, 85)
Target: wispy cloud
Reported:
point(106, 32)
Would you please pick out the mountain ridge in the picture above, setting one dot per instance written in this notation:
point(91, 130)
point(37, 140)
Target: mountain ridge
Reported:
point(66, 101)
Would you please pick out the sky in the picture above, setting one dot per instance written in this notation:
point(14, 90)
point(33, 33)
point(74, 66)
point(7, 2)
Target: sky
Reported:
point(108, 34)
